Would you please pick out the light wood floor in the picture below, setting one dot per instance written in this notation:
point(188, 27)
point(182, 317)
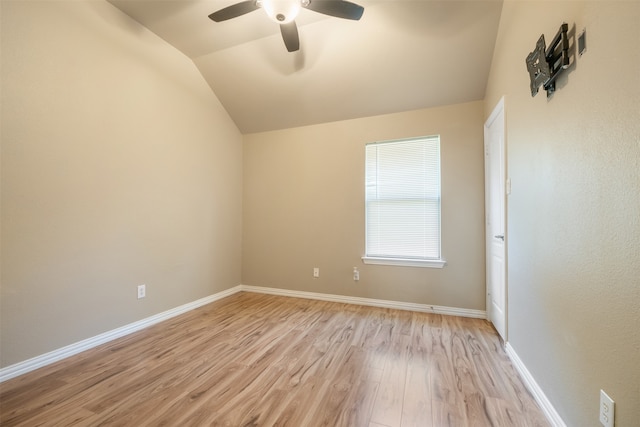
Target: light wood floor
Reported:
point(261, 360)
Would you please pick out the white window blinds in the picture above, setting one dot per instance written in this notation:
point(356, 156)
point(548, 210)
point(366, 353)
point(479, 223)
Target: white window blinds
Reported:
point(403, 199)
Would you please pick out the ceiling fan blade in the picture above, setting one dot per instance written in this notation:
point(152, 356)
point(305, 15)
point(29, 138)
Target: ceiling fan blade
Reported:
point(290, 36)
point(338, 8)
point(234, 10)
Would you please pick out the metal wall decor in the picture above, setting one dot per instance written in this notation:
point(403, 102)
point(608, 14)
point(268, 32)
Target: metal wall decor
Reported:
point(546, 64)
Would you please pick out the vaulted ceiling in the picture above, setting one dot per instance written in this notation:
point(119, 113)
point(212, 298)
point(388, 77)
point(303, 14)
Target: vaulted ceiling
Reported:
point(402, 55)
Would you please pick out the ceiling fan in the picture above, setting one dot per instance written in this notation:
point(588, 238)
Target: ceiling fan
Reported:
point(284, 12)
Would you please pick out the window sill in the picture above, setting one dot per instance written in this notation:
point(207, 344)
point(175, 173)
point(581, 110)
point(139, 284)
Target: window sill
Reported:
point(405, 262)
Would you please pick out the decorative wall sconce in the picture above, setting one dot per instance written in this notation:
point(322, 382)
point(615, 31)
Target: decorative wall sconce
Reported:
point(546, 64)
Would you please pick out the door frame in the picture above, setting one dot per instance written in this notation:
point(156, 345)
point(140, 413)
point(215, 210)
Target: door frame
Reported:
point(497, 110)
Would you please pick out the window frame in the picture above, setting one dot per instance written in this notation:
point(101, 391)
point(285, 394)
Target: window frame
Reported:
point(400, 260)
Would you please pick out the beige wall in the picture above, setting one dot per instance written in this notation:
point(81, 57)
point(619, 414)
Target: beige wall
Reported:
point(304, 208)
point(119, 167)
point(574, 214)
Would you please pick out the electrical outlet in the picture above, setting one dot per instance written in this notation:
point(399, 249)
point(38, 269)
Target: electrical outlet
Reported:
point(356, 274)
point(607, 410)
point(142, 291)
point(316, 272)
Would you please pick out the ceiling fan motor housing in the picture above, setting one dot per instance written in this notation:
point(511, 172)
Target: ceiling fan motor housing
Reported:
point(281, 11)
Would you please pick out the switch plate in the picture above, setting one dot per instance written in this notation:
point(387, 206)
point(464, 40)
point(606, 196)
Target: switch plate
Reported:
point(607, 409)
point(316, 272)
point(142, 291)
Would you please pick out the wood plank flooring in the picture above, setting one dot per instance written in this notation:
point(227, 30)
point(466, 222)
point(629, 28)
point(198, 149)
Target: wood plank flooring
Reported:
point(262, 360)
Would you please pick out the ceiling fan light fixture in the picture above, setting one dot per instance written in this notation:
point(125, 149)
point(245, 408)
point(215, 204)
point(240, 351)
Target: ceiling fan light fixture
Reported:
point(281, 11)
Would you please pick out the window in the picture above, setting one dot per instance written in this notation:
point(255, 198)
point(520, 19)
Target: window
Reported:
point(402, 198)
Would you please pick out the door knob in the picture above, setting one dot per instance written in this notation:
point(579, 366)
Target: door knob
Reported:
point(499, 236)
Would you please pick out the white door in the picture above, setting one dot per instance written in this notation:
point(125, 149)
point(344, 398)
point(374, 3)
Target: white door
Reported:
point(494, 131)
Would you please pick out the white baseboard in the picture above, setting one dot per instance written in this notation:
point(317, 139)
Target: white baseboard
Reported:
point(425, 308)
point(80, 346)
point(548, 409)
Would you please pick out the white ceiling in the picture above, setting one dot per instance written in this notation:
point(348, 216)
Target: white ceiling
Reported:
point(402, 55)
